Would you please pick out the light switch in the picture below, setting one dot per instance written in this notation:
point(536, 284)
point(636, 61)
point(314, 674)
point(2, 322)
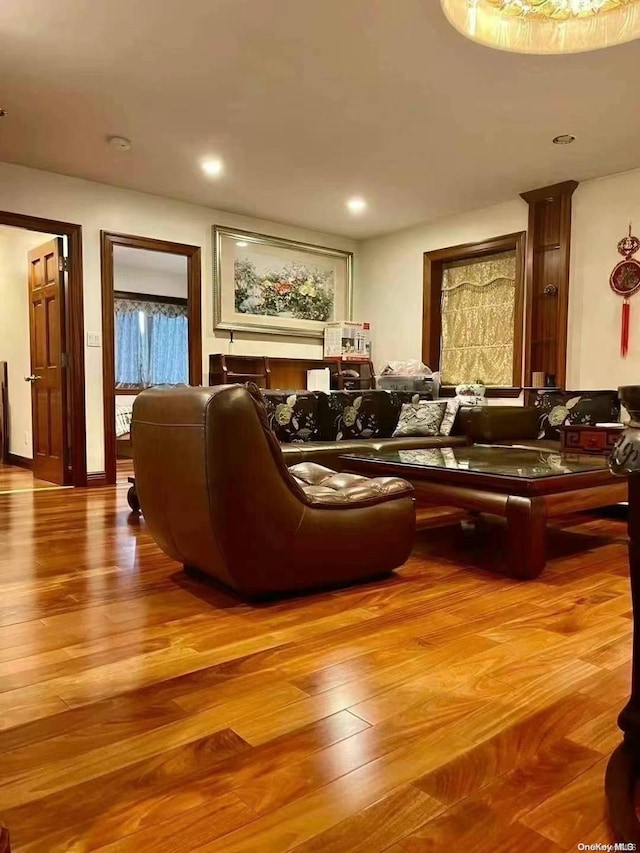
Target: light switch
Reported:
point(93, 339)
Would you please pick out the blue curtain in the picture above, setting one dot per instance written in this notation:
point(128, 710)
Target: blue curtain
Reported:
point(151, 347)
point(128, 349)
point(168, 356)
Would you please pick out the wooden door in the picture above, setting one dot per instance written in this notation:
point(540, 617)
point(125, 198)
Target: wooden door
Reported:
point(48, 385)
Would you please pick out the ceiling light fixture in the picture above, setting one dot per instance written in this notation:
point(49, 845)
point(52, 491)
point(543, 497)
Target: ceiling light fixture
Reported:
point(545, 26)
point(564, 139)
point(356, 205)
point(120, 143)
point(241, 244)
point(212, 167)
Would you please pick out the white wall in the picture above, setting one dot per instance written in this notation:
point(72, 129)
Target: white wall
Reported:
point(15, 243)
point(97, 206)
point(143, 280)
point(602, 210)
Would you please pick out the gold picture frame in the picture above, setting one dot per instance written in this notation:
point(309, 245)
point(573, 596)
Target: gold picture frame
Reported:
point(270, 285)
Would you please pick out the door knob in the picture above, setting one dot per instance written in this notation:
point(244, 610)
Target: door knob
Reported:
point(32, 378)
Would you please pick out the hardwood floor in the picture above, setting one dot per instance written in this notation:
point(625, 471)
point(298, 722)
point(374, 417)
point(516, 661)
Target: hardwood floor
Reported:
point(446, 708)
point(14, 479)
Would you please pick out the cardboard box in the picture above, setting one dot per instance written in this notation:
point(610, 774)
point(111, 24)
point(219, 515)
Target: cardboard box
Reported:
point(348, 341)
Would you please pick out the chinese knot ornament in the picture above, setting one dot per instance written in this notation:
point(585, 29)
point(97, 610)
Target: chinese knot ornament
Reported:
point(625, 281)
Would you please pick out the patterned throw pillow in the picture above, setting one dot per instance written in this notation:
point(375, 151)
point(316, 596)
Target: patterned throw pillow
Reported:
point(421, 419)
point(575, 407)
point(450, 413)
point(359, 414)
point(294, 418)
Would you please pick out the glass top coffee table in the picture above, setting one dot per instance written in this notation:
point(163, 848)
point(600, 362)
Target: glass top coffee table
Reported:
point(523, 485)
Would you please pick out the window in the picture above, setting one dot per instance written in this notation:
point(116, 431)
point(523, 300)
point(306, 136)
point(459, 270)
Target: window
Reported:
point(472, 330)
point(151, 341)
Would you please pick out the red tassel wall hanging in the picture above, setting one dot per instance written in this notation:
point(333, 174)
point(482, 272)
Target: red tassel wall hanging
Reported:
point(625, 281)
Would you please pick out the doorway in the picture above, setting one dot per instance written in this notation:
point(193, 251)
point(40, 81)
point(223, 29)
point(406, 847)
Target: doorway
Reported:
point(151, 329)
point(42, 348)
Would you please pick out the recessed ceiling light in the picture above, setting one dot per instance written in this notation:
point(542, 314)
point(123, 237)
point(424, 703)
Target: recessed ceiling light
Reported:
point(120, 143)
point(241, 244)
point(564, 139)
point(212, 167)
point(356, 205)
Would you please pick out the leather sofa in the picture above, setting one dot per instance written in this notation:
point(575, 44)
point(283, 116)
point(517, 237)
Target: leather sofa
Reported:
point(318, 427)
point(538, 426)
point(217, 496)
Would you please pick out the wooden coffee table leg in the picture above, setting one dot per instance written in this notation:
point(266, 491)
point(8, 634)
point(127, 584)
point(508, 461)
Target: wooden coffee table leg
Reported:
point(526, 522)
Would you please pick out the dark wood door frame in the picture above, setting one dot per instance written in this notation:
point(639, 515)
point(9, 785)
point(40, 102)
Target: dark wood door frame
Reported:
point(76, 452)
point(194, 318)
point(432, 295)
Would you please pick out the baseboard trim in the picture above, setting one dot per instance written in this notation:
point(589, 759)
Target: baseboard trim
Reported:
point(19, 461)
point(98, 478)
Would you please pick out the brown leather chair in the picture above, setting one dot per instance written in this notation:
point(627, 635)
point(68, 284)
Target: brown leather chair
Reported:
point(217, 496)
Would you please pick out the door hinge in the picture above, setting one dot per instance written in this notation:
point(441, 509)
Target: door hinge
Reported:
point(63, 264)
point(64, 360)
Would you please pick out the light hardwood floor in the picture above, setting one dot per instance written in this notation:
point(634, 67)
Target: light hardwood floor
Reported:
point(447, 708)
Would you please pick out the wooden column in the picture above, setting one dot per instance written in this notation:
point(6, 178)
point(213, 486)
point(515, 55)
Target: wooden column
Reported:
point(547, 280)
point(623, 771)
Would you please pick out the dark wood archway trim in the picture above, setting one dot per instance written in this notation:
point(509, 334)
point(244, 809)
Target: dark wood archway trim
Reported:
point(432, 294)
point(194, 317)
point(74, 321)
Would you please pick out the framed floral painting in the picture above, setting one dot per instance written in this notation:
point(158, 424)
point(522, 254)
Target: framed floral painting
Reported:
point(275, 286)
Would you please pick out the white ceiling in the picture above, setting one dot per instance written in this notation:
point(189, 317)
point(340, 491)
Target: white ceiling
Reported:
point(308, 102)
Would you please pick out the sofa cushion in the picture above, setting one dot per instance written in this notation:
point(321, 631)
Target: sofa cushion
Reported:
point(422, 419)
point(501, 424)
point(295, 416)
point(326, 488)
point(574, 407)
point(330, 452)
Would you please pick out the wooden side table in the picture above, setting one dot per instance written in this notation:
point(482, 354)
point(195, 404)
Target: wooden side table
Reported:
point(584, 439)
